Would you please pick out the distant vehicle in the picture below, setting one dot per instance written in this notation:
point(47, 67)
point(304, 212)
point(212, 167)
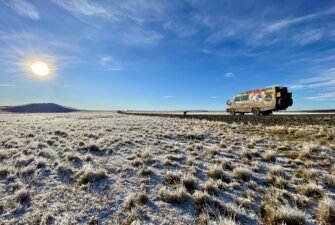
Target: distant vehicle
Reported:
point(262, 101)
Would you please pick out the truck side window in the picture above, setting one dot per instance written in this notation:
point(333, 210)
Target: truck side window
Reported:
point(245, 98)
point(237, 99)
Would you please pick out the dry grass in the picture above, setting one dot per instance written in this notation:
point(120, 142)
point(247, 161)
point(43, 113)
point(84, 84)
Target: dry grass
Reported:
point(173, 196)
point(242, 173)
point(173, 177)
point(189, 182)
point(269, 156)
point(106, 168)
point(283, 215)
point(310, 190)
point(90, 175)
point(325, 212)
point(216, 172)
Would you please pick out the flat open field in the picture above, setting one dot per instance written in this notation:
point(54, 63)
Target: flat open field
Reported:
point(281, 118)
point(109, 168)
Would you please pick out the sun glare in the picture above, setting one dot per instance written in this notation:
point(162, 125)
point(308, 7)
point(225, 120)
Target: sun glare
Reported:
point(40, 69)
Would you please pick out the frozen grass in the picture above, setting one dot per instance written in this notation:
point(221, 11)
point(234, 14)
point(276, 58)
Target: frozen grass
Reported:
point(106, 168)
point(325, 213)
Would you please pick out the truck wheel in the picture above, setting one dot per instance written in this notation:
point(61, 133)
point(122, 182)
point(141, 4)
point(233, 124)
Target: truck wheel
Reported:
point(256, 111)
point(232, 111)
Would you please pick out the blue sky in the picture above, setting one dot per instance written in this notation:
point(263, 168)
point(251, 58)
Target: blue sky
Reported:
point(166, 55)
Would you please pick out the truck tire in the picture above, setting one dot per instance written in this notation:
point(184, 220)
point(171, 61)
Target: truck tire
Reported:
point(290, 102)
point(232, 112)
point(256, 111)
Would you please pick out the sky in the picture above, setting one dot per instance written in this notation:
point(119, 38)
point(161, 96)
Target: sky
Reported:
point(166, 55)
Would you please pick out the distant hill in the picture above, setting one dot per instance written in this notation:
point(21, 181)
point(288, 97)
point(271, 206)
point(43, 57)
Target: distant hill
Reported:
point(38, 108)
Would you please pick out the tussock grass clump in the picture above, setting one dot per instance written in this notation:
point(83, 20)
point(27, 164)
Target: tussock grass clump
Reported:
point(246, 154)
point(190, 162)
point(312, 174)
point(22, 196)
point(300, 200)
point(222, 144)
point(146, 155)
point(24, 161)
point(210, 187)
point(4, 171)
point(136, 163)
point(310, 190)
point(142, 198)
point(230, 149)
point(41, 163)
point(176, 158)
point(283, 215)
point(173, 196)
point(173, 177)
point(61, 133)
point(227, 165)
point(204, 201)
point(133, 199)
point(269, 156)
point(329, 180)
point(130, 202)
point(325, 212)
point(276, 171)
point(47, 153)
point(217, 172)
point(64, 169)
point(212, 151)
point(291, 154)
point(89, 175)
point(145, 171)
point(72, 156)
point(276, 176)
point(275, 210)
point(189, 182)
point(242, 173)
point(28, 171)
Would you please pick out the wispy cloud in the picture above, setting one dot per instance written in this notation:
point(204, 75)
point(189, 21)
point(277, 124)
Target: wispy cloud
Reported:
point(262, 30)
point(138, 36)
point(181, 30)
point(23, 8)
point(325, 80)
point(110, 63)
point(84, 7)
point(281, 24)
point(229, 75)
point(323, 97)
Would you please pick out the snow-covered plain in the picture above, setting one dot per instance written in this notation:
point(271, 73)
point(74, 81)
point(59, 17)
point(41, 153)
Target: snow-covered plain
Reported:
point(108, 168)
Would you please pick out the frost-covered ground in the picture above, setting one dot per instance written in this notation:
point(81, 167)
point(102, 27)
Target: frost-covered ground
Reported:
point(106, 168)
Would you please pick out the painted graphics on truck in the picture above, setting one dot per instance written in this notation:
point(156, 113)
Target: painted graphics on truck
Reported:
point(260, 101)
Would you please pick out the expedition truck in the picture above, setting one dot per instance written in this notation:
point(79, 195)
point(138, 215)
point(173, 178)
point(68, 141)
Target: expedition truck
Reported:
point(262, 101)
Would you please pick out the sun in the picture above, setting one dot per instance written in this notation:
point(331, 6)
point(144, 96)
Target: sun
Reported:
point(40, 69)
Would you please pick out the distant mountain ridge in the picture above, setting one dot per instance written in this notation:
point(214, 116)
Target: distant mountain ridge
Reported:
point(38, 108)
